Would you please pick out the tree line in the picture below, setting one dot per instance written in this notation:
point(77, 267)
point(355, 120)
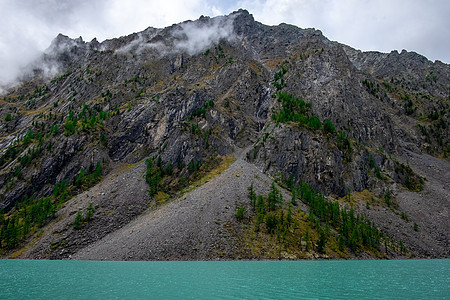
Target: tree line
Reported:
point(327, 217)
point(30, 214)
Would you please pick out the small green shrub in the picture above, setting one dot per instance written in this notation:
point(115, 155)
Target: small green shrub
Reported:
point(89, 213)
point(404, 216)
point(240, 213)
point(343, 142)
point(271, 223)
point(78, 222)
point(387, 197)
point(328, 126)
point(8, 117)
point(314, 123)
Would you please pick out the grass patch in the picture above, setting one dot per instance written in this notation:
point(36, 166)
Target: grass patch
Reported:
point(18, 253)
point(273, 62)
point(161, 197)
point(225, 163)
point(366, 196)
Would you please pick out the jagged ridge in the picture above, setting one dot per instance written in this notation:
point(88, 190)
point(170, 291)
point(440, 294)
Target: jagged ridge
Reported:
point(199, 89)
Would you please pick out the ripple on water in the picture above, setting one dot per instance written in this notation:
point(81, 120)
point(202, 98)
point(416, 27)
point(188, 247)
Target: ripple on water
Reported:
point(412, 279)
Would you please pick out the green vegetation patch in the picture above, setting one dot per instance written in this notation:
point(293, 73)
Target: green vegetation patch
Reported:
point(30, 214)
point(329, 229)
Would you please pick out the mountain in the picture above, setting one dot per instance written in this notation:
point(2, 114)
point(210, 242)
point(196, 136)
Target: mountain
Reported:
point(224, 138)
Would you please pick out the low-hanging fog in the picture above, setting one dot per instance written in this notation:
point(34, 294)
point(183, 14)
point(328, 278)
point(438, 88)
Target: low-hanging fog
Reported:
point(29, 26)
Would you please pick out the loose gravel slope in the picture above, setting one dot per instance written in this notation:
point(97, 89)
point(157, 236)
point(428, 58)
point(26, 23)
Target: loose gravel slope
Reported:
point(195, 226)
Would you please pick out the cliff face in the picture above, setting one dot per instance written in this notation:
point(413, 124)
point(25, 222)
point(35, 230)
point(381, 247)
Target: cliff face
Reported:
point(193, 93)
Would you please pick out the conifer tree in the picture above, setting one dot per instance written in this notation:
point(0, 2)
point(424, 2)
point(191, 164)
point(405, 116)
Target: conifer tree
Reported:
point(78, 220)
point(321, 242)
point(89, 212)
point(274, 197)
point(252, 195)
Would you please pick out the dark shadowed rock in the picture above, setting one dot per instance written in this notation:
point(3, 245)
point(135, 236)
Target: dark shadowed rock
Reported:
point(195, 90)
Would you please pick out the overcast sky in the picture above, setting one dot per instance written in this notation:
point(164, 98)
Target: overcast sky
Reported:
point(28, 26)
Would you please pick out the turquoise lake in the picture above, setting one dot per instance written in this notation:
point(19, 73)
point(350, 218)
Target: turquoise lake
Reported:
point(380, 279)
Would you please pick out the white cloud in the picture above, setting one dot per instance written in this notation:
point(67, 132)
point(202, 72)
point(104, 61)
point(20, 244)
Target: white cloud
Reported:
point(189, 37)
point(28, 26)
point(194, 38)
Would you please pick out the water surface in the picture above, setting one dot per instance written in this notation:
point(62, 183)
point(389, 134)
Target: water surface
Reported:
point(398, 279)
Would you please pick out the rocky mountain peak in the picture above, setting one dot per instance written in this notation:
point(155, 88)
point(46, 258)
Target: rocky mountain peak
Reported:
point(160, 109)
point(63, 43)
